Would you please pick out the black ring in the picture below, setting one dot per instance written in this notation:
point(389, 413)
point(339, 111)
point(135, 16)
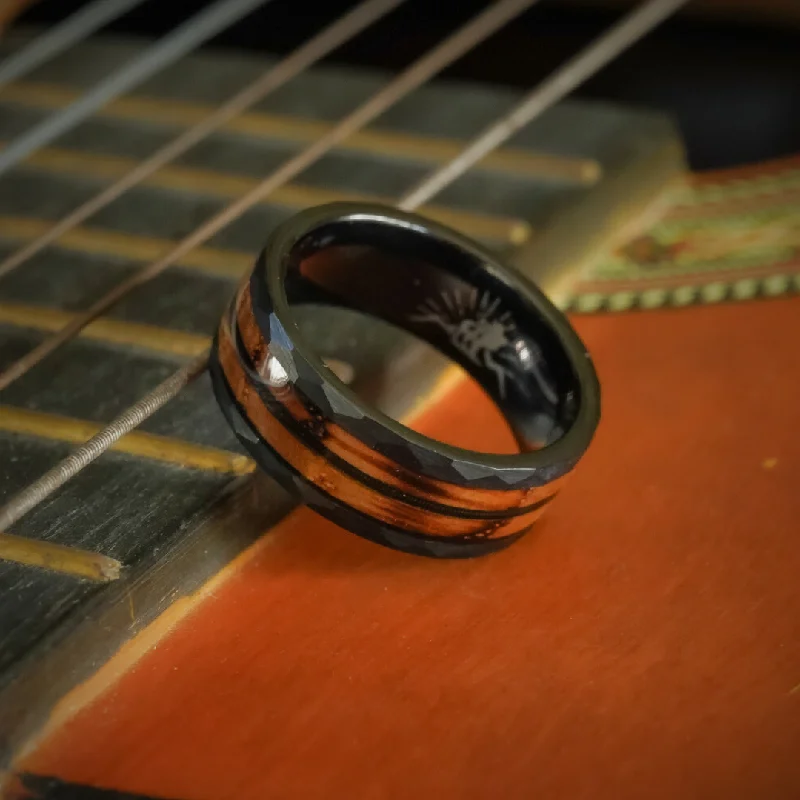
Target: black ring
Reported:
point(358, 466)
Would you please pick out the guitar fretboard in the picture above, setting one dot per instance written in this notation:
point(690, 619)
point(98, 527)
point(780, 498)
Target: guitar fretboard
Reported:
point(546, 201)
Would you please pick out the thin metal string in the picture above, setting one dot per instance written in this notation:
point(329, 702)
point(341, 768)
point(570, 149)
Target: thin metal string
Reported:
point(570, 75)
point(455, 45)
point(181, 41)
point(316, 48)
point(62, 36)
point(84, 455)
point(624, 33)
point(452, 48)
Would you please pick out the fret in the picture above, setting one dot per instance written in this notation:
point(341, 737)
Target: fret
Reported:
point(55, 557)
point(166, 341)
point(128, 510)
point(143, 445)
point(213, 261)
point(283, 127)
point(495, 229)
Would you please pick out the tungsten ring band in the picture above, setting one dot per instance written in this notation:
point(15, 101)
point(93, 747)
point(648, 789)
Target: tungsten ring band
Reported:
point(359, 467)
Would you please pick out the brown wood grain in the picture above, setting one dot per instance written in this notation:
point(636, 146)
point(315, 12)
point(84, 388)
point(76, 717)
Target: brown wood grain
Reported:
point(352, 492)
point(343, 444)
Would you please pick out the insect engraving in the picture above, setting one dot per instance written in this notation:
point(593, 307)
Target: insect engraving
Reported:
point(483, 336)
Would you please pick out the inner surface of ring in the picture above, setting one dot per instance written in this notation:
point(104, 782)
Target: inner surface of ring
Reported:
point(453, 299)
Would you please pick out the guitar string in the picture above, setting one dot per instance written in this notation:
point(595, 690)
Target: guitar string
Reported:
point(624, 33)
point(316, 48)
point(454, 46)
point(558, 85)
point(62, 36)
point(179, 42)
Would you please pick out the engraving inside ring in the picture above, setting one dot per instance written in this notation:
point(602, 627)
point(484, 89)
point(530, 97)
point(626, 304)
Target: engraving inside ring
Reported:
point(447, 297)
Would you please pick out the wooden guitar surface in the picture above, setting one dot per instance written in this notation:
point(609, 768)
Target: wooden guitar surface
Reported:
point(644, 643)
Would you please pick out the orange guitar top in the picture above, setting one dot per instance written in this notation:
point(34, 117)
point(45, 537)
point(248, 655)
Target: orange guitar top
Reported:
point(644, 643)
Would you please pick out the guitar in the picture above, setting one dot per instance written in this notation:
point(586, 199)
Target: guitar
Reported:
point(244, 647)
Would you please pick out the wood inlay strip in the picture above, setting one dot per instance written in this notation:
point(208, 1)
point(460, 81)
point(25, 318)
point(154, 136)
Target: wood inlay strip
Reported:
point(146, 445)
point(174, 113)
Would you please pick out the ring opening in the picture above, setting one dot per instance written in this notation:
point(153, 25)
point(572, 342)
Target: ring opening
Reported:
point(463, 304)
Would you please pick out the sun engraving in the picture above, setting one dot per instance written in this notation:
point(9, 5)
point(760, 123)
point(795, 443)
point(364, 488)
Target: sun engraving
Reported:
point(470, 323)
point(485, 337)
